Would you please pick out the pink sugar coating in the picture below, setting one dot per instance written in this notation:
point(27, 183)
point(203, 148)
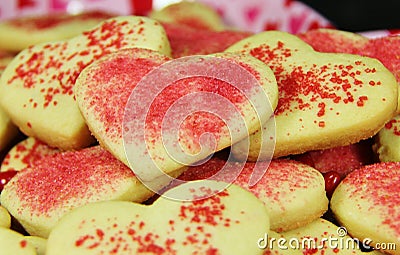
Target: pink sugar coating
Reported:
point(386, 49)
point(327, 42)
point(279, 172)
point(187, 41)
point(199, 122)
point(342, 159)
point(379, 185)
point(75, 176)
point(29, 155)
point(109, 85)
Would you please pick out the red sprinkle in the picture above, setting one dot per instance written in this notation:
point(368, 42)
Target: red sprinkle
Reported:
point(67, 177)
point(394, 126)
point(302, 88)
point(378, 184)
point(23, 243)
point(59, 77)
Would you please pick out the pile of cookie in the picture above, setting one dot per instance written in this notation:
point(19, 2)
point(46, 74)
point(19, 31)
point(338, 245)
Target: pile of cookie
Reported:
point(273, 137)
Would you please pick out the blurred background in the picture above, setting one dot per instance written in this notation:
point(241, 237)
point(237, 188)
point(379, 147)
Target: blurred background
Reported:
point(359, 15)
point(257, 15)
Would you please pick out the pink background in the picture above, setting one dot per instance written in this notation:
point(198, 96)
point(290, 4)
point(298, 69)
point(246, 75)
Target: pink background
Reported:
point(253, 15)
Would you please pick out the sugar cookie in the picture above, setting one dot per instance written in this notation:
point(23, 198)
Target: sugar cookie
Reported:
point(8, 131)
point(193, 14)
point(166, 227)
point(342, 159)
point(103, 100)
point(5, 58)
point(36, 88)
point(387, 141)
point(186, 41)
point(38, 242)
point(286, 188)
point(25, 153)
point(22, 32)
point(57, 183)
point(5, 218)
point(12, 243)
point(366, 202)
point(317, 91)
point(386, 49)
point(334, 40)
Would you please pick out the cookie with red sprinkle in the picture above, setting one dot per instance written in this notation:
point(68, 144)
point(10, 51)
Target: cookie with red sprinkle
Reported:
point(342, 159)
point(22, 32)
point(26, 153)
point(367, 202)
point(201, 225)
point(104, 89)
point(39, 195)
point(196, 15)
point(387, 141)
point(325, 99)
point(186, 41)
point(39, 243)
point(36, 88)
point(12, 242)
point(286, 188)
point(386, 49)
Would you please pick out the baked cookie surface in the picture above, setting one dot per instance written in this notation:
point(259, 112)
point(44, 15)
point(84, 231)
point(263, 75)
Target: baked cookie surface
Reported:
point(325, 99)
point(387, 141)
point(153, 110)
point(199, 226)
point(366, 202)
point(286, 187)
point(57, 183)
point(36, 88)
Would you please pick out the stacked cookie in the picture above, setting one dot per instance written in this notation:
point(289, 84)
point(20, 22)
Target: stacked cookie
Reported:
point(172, 134)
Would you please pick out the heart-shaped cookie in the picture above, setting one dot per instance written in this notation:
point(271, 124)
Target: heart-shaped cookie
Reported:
point(36, 88)
point(386, 49)
point(221, 224)
point(153, 111)
point(325, 99)
point(57, 183)
point(286, 187)
point(367, 203)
